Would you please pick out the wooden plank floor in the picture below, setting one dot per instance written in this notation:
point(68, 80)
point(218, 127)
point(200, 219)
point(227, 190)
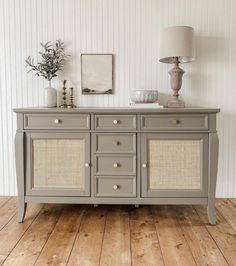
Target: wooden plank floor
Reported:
point(117, 235)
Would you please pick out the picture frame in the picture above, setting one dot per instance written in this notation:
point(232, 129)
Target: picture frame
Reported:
point(96, 74)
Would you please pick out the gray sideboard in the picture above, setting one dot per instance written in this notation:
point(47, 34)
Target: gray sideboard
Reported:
point(116, 156)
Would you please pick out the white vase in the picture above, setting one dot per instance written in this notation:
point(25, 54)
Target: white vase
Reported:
point(50, 96)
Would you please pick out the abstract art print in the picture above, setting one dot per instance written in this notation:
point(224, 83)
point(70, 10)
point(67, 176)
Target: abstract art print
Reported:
point(97, 73)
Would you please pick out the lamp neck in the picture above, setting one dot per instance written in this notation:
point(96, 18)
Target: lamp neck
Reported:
point(176, 61)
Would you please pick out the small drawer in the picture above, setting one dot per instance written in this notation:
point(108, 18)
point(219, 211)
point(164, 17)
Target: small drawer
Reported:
point(115, 165)
point(57, 121)
point(174, 122)
point(115, 143)
point(115, 187)
point(115, 122)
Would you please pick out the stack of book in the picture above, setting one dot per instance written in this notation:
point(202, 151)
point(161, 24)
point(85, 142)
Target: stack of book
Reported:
point(145, 105)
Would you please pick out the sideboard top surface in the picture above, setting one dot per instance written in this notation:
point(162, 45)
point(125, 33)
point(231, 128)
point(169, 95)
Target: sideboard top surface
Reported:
point(108, 110)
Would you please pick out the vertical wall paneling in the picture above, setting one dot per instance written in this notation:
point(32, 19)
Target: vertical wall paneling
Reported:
point(129, 29)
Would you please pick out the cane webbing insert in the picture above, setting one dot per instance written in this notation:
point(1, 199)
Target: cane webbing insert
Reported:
point(175, 164)
point(58, 163)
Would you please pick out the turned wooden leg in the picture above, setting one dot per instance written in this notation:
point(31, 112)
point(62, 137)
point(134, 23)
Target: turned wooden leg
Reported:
point(213, 160)
point(136, 206)
point(95, 205)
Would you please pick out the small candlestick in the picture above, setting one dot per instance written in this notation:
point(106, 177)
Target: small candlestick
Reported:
point(71, 105)
point(64, 105)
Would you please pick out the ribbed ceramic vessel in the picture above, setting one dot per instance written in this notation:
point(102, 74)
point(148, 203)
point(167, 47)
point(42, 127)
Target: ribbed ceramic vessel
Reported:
point(144, 96)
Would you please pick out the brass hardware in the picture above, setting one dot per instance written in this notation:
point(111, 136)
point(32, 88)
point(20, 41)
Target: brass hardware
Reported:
point(144, 165)
point(86, 164)
point(115, 187)
point(115, 165)
point(115, 122)
point(116, 142)
point(175, 121)
point(57, 121)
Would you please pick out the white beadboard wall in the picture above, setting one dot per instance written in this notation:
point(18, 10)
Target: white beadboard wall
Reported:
point(129, 29)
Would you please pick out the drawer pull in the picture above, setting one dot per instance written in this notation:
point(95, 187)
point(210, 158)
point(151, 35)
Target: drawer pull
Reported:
point(115, 122)
point(115, 165)
point(144, 165)
point(115, 187)
point(175, 121)
point(57, 121)
point(87, 165)
point(116, 142)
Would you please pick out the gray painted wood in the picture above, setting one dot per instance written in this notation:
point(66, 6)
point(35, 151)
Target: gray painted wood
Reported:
point(132, 177)
point(213, 166)
point(20, 172)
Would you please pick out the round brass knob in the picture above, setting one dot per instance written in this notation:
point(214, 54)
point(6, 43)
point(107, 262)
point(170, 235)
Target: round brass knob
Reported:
point(116, 142)
point(144, 165)
point(175, 121)
point(57, 121)
point(115, 122)
point(115, 187)
point(115, 165)
point(86, 164)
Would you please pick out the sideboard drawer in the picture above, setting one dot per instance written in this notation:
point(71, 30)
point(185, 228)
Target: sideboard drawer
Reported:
point(115, 165)
point(115, 122)
point(115, 187)
point(115, 143)
point(174, 122)
point(57, 121)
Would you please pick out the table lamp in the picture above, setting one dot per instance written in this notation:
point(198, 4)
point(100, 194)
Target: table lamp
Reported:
point(177, 46)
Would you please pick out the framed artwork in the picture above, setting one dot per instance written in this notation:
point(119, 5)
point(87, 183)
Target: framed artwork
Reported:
point(97, 73)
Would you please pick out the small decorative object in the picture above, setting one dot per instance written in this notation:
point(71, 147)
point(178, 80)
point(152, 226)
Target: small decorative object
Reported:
point(71, 105)
point(97, 73)
point(53, 58)
point(64, 104)
point(177, 46)
point(144, 96)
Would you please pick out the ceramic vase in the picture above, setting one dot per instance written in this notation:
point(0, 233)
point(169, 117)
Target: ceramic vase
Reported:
point(50, 96)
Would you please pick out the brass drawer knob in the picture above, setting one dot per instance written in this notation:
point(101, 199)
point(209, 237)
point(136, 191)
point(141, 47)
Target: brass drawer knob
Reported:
point(144, 165)
point(175, 121)
point(57, 121)
point(115, 187)
point(115, 122)
point(116, 142)
point(115, 165)
point(87, 165)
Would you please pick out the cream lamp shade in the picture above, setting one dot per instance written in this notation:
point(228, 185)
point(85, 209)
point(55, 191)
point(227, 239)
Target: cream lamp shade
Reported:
point(177, 41)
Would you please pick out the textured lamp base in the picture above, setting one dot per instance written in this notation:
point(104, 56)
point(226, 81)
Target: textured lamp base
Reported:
point(176, 74)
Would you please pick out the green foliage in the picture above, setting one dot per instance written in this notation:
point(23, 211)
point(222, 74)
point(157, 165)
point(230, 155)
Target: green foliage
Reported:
point(52, 60)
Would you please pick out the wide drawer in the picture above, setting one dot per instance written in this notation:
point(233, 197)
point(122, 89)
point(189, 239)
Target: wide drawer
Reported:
point(57, 121)
point(115, 187)
point(115, 165)
point(115, 122)
point(174, 122)
point(115, 143)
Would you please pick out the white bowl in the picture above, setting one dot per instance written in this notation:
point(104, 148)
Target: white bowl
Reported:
point(144, 96)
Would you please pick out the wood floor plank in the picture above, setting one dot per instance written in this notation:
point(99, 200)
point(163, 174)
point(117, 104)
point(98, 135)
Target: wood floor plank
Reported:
point(13, 231)
point(203, 247)
point(174, 247)
point(88, 244)
point(145, 248)
point(222, 233)
point(30, 245)
point(228, 210)
point(7, 211)
point(59, 245)
point(3, 200)
point(116, 242)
